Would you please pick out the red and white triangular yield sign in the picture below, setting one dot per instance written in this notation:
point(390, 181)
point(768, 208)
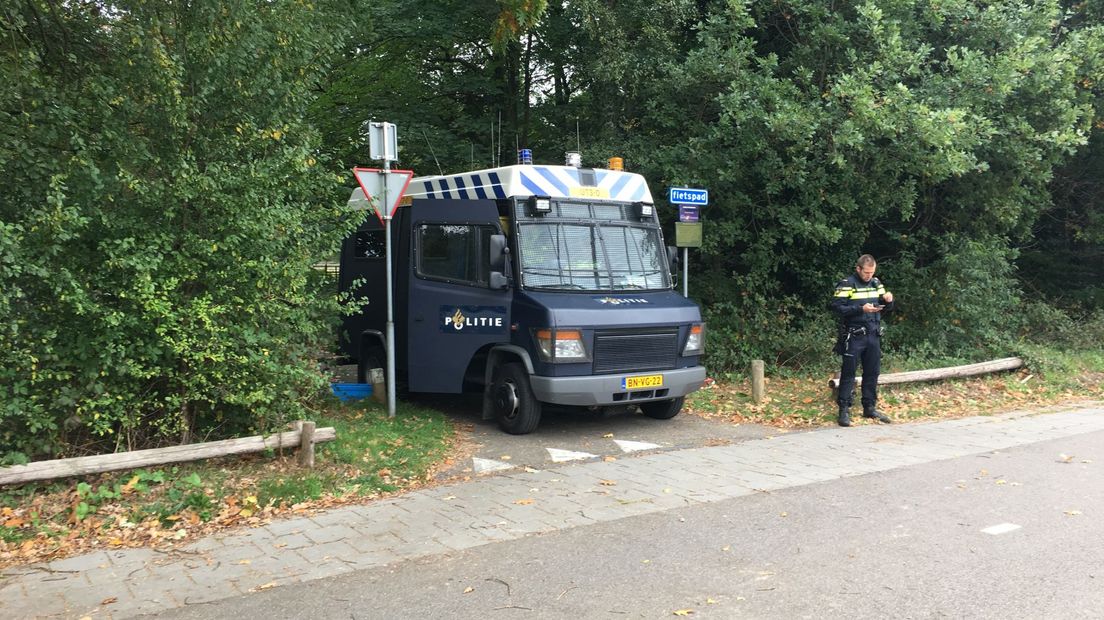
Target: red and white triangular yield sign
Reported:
point(372, 181)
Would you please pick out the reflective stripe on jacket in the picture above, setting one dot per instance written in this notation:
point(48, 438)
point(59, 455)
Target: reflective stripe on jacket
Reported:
point(850, 296)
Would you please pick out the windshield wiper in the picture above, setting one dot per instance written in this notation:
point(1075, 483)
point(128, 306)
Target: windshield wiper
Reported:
point(561, 285)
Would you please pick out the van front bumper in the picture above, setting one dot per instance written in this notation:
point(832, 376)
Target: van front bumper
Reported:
point(610, 389)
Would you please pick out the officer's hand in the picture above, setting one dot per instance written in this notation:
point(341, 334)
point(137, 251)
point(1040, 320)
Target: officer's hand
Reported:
point(888, 297)
point(868, 307)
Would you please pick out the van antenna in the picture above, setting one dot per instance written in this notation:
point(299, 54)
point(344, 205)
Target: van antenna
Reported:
point(499, 138)
point(492, 144)
point(472, 155)
point(441, 172)
point(578, 140)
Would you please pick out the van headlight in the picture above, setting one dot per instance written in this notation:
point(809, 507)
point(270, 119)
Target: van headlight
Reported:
point(561, 345)
point(695, 342)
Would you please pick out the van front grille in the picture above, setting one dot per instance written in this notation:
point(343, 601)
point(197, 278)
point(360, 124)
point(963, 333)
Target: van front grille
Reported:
point(634, 351)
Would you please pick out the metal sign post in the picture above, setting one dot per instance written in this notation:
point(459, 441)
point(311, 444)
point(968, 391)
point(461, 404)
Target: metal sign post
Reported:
point(390, 301)
point(389, 186)
point(688, 229)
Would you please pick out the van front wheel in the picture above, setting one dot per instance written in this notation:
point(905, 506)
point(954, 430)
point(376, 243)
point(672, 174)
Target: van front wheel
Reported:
point(662, 409)
point(517, 409)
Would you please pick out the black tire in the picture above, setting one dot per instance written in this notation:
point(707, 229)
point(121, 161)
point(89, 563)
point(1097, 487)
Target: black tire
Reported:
point(371, 356)
point(517, 409)
point(662, 409)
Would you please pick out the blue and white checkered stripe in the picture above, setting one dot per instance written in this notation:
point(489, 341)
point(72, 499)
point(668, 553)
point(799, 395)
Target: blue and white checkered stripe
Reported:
point(469, 186)
point(511, 181)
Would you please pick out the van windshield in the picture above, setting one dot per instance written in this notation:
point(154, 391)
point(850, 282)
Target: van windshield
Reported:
point(591, 256)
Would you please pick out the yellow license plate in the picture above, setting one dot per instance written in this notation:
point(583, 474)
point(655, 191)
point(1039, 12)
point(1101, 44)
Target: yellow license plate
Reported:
point(589, 192)
point(642, 382)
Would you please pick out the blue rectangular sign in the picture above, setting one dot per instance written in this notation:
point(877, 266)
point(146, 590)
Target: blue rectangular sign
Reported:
point(689, 213)
point(688, 196)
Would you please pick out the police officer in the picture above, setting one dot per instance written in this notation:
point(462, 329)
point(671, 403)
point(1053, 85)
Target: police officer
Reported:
point(859, 301)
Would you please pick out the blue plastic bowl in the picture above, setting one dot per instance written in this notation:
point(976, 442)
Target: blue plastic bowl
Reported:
point(351, 391)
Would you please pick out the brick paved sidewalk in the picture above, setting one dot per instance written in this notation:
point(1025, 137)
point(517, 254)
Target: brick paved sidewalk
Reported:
point(454, 517)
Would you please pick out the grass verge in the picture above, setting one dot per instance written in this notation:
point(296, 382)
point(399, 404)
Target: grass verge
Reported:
point(372, 456)
point(795, 401)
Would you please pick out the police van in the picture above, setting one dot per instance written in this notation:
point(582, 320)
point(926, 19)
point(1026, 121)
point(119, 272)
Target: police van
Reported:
point(534, 284)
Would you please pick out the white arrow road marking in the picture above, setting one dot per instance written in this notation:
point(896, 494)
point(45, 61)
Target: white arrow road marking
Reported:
point(559, 456)
point(633, 446)
point(483, 466)
point(1003, 528)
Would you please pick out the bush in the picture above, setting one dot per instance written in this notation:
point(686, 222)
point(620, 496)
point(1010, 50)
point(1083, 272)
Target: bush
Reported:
point(162, 204)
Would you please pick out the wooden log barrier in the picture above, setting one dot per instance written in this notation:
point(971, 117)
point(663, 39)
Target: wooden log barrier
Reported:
point(969, 370)
point(83, 465)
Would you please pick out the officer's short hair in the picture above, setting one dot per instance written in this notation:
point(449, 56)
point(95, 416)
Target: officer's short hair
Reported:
point(865, 260)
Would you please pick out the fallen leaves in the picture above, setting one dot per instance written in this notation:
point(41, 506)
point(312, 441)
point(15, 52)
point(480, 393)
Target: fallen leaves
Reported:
point(524, 502)
point(795, 402)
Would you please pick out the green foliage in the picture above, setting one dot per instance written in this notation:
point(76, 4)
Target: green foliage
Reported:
point(163, 203)
point(289, 490)
point(926, 134)
point(173, 170)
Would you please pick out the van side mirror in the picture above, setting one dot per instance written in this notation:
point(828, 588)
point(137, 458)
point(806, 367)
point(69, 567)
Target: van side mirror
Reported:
point(672, 259)
point(498, 281)
point(498, 251)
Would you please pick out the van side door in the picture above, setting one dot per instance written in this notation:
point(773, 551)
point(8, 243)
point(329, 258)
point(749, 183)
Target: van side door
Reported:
point(453, 311)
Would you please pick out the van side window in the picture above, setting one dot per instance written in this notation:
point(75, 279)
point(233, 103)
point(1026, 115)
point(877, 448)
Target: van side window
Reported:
point(370, 244)
point(454, 252)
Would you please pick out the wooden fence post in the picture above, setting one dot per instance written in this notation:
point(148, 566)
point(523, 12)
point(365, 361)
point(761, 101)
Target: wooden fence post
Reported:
point(306, 443)
point(758, 383)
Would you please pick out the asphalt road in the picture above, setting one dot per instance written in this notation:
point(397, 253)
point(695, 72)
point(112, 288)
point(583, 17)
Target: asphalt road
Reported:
point(913, 542)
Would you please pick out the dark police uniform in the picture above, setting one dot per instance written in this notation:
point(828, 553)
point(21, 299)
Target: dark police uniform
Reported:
point(860, 339)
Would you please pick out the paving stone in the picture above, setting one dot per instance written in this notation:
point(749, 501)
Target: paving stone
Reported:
point(234, 554)
point(80, 563)
point(157, 598)
point(290, 542)
point(254, 536)
point(31, 607)
point(327, 551)
point(330, 568)
point(111, 575)
point(192, 593)
point(96, 601)
point(330, 534)
point(338, 517)
point(287, 526)
point(211, 543)
point(458, 541)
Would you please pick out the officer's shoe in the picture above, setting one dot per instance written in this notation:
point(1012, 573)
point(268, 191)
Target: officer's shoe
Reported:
point(877, 415)
point(844, 416)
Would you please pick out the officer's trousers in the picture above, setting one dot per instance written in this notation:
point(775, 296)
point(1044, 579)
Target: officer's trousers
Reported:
point(867, 350)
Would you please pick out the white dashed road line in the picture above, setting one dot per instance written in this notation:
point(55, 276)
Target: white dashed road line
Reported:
point(482, 466)
point(634, 446)
point(559, 456)
point(1002, 528)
